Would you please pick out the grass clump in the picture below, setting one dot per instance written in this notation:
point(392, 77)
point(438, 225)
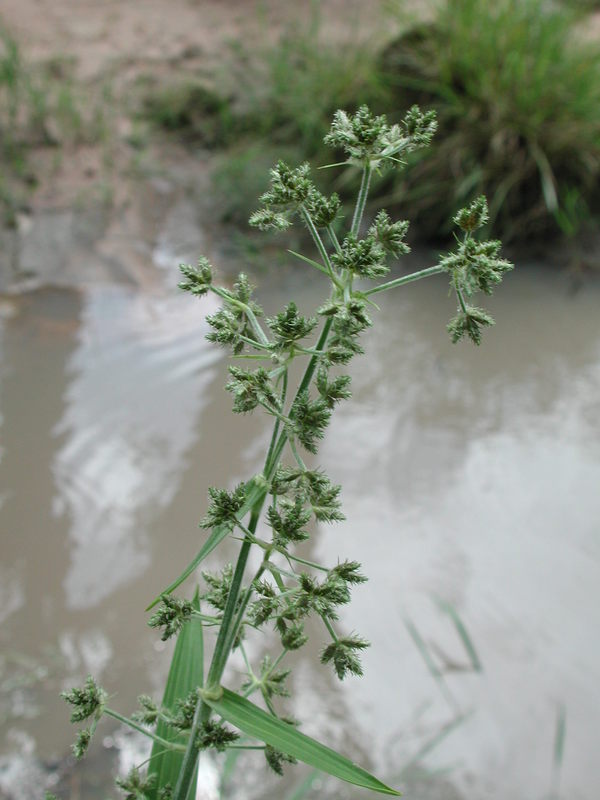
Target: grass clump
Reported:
point(41, 105)
point(22, 115)
point(193, 110)
point(517, 89)
point(286, 94)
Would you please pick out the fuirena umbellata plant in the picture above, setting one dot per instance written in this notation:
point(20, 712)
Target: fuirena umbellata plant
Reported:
point(198, 713)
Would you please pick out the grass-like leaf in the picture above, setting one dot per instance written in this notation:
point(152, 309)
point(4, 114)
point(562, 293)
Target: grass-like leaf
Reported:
point(449, 609)
point(185, 674)
point(255, 722)
point(560, 735)
point(434, 671)
point(310, 261)
point(255, 494)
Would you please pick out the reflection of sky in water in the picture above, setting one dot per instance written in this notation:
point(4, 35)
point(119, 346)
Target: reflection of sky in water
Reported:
point(1, 376)
point(478, 483)
point(138, 377)
point(471, 474)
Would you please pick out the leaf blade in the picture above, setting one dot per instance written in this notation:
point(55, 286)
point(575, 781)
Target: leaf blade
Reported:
point(256, 494)
point(255, 722)
point(185, 674)
point(461, 629)
point(310, 261)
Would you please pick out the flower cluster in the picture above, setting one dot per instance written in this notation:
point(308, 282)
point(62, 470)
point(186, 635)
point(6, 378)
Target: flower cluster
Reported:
point(171, 615)
point(370, 139)
point(292, 191)
point(475, 266)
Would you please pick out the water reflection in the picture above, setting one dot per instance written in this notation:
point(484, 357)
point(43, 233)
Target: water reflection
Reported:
point(469, 475)
point(139, 375)
point(479, 475)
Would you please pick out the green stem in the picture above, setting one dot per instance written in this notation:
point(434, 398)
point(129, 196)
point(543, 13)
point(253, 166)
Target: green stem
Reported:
point(301, 560)
point(246, 747)
point(329, 627)
point(129, 722)
point(276, 428)
point(206, 618)
point(334, 239)
point(225, 295)
point(246, 662)
point(243, 604)
point(277, 571)
point(190, 759)
point(254, 343)
point(319, 243)
point(460, 297)
point(221, 652)
point(296, 454)
point(362, 199)
point(414, 276)
point(252, 688)
point(224, 641)
point(304, 384)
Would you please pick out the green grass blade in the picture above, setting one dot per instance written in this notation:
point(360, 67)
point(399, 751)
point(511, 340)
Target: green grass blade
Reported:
point(432, 743)
point(449, 609)
point(186, 673)
point(255, 722)
point(315, 264)
point(559, 737)
point(216, 537)
point(255, 494)
point(429, 662)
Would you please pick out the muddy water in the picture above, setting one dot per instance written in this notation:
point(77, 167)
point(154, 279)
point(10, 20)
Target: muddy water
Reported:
point(472, 490)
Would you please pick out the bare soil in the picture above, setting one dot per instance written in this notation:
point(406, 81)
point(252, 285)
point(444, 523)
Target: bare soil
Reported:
point(108, 51)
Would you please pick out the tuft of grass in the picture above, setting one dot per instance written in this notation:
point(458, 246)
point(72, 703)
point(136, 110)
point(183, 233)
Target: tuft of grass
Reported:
point(191, 109)
point(285, 96)
point(40, 105)
point(22, 114)
point(517, 91)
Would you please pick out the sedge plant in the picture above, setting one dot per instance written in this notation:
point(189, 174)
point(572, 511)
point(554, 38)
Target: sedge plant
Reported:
point(272, 511)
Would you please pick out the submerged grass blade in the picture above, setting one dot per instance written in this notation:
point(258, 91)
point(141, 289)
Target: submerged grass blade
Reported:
point(560, 737)
point(255, 722)
point(431, 744)
point(429, 662)
point(186, 673)
point(449, 609)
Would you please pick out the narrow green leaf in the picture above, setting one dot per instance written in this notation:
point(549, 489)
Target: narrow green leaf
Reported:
point(429, 662)
point(255, 722)
point(560, 736)
point(449, 609)
point(547, 178)
point(216, 537)
point(256, 492)
point(186, 673)
point(315, 264)
point(329, 166)
point(432, 744)
point(414, 276)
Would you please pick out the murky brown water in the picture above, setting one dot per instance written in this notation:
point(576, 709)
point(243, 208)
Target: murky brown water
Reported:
point(471, 476)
